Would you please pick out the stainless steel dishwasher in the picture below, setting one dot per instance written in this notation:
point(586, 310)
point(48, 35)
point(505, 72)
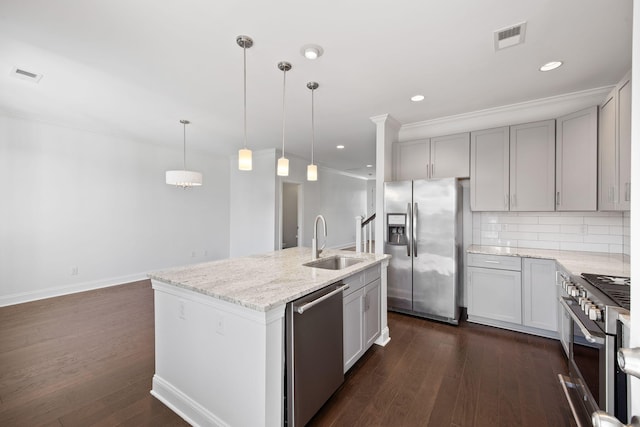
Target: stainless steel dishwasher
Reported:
point(314, 365)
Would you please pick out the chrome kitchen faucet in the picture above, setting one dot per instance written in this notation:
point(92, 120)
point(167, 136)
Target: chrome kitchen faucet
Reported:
point(315, 252)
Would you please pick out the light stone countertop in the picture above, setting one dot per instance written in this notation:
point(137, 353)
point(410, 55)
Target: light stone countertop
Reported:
point(262, 282)
point(575, 262)
point(625, 319)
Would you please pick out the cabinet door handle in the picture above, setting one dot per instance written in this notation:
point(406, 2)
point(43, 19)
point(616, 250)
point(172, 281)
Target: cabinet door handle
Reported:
point(627, 191)
point(428, 167)
point(558, 198)
point(433, 170)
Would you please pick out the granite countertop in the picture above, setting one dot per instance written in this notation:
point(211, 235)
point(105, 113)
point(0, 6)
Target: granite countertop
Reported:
point(575, 262)
point(262, 282)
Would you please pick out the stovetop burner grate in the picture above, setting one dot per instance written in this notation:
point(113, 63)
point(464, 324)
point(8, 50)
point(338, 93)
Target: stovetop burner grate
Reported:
point(615, 287)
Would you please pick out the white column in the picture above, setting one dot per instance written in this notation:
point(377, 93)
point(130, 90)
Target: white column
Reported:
point(387, 129)
point(635, 197)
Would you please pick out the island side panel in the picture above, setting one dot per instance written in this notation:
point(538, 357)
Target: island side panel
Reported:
point(385, 335)
point(218, 363)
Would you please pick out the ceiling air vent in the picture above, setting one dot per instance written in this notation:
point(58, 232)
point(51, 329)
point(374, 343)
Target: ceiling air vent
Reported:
point(509, 36)
point(21, 73)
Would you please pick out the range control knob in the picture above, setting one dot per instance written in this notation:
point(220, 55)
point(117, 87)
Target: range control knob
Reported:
point(595, 313)
point(575, 291)
point(587, 307)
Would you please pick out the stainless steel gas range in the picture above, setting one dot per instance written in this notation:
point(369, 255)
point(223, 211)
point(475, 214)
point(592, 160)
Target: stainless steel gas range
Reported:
point(591, 335)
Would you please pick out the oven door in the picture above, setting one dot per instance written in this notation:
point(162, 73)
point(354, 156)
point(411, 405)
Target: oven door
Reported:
point(585, 386)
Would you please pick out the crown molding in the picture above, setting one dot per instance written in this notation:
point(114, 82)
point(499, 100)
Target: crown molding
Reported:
point(522, 112)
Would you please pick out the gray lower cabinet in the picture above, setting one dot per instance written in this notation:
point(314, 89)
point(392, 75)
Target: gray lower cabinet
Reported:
point(361, 314)
point(513, 293)
point(495, 294)
point(539, 299)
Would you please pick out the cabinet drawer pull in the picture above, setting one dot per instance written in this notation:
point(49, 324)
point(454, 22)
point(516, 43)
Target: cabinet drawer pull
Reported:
point(492, 262)
point(627, 191)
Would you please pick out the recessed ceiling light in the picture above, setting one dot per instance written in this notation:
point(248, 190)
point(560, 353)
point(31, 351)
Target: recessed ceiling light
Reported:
point(311, 51)
point(417, 98)
point(369, 166)
point(339, 147)
point(551, 65)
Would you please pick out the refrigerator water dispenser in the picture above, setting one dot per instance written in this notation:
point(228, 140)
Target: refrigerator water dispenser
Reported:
point(396, 229)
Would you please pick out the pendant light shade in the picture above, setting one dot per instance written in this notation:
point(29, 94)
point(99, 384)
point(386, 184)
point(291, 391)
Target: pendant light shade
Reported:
point(244, 159)
point(184, 178)
point(244, 154)
point(283, 166)
point(312, 169)
point(283, 162)
point(312, 172)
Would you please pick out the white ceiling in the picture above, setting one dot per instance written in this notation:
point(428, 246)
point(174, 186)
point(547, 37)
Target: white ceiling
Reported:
point(134, 68)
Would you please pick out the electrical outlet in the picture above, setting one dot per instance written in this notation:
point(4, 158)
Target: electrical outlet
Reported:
point(220, 324)
point(193, 254)
point(181, 310)
point(74, 271)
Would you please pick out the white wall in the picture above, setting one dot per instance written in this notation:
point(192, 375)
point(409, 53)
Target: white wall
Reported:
point(252, 205)
point(76, 199)
point(256, 196)
point(336, 196)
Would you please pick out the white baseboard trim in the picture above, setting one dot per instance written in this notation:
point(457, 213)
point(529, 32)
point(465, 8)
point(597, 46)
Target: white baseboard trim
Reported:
point(384, 337)
point(68, 289)
point(183, 405)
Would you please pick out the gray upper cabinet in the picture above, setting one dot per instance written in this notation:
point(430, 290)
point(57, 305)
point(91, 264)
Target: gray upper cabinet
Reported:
point(532, 166)
point(440, 157)
point(614, 159)
point(490, 170)
point(577, 161)
point(450, 156)
point(411, 160)
point(624, 144)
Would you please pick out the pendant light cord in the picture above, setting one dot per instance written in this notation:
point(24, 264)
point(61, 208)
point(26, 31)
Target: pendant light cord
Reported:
point(244, 51)
point(313, 128)
point(284, 85)
point(184, 145)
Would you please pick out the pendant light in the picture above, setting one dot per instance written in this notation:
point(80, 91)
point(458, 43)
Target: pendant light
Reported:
point(312, 170)
point(283, 162)
point(244, 154)
point(184, 178)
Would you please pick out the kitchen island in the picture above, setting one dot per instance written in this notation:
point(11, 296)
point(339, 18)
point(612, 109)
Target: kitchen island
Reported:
point(219, 330)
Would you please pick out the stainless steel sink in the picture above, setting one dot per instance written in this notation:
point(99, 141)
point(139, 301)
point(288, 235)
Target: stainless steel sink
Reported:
point(334, 263)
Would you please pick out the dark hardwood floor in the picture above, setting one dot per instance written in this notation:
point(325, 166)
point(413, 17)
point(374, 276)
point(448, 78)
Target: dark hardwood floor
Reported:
point(87, 359)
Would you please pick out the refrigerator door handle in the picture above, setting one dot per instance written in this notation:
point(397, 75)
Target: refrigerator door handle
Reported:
point(414, 230)
point(408, 225)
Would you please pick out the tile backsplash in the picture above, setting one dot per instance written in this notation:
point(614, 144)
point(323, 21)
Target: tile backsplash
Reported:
point(575, 231)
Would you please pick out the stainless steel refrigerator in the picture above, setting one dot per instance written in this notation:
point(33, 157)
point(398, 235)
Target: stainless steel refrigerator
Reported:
point(423, 234)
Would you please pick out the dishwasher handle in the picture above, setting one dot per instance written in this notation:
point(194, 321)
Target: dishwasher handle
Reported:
point(301, 309)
